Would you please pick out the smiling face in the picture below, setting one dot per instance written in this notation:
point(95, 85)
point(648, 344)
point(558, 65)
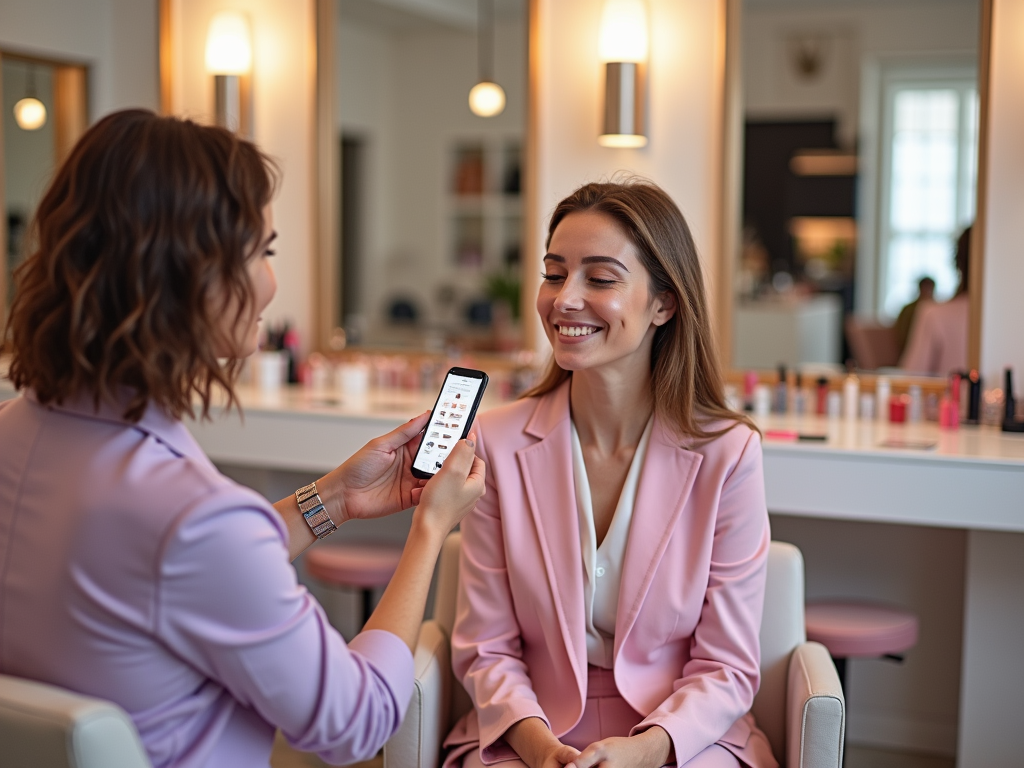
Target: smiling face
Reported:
point(595, 298)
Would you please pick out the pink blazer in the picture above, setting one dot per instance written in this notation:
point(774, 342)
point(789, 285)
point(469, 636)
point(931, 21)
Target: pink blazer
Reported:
point(686, 652)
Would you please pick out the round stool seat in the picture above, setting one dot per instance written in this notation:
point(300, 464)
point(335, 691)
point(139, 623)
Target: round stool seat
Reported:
point(849, 628)
point(363, 566)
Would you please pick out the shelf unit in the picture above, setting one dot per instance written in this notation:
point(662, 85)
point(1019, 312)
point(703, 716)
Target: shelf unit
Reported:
point(485, 204)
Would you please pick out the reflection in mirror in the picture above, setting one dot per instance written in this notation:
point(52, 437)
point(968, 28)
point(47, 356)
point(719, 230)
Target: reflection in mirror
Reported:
point(860, 145)
point(430, 208)
point(44, 113)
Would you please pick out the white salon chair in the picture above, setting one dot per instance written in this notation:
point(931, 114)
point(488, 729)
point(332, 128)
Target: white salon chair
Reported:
point(800, 704)
point(42, 726)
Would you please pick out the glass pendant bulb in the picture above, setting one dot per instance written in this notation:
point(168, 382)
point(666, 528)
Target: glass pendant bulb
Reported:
point(30, 114)
point(487, 99)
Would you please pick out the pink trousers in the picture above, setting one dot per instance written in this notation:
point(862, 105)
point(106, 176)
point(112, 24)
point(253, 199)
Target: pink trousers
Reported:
point(607, 714)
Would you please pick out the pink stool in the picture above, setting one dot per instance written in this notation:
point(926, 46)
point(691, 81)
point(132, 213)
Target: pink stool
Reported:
point(355, 566)
point(851, 628)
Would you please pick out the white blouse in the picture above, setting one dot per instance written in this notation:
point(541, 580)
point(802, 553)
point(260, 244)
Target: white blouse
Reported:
point(602, 566)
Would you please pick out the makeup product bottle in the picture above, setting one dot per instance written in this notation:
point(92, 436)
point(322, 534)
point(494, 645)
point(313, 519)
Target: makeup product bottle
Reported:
point(1010, 423)
point(973, 397)
point(949, 407)
point(762, 400)
point(821, 396)
point(851, 396)
point(882, 392)
point(835, 405)
point(867, 406)
point(799, 396)
point(915, 409)
point(749, 384)
point(781, 394)
point(898, 409)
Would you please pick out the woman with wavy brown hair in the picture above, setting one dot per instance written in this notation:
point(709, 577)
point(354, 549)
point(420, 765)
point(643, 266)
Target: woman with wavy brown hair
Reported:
point(130, 568)
point(612, 577)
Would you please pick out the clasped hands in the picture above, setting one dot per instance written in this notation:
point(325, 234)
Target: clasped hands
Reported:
point(539, 748)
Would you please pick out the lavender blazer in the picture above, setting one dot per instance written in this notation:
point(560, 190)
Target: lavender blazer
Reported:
point(686, 653)
point(132, 570)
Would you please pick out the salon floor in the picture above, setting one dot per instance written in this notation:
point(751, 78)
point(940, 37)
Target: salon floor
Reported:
point(856, 757)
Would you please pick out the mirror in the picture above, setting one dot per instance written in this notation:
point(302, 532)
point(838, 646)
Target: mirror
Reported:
point(860, 133)
point(44, 113)
point(429, 205)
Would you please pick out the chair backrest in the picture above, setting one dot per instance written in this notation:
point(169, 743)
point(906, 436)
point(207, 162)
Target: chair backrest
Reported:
point(782, 630)
point(43, 726)
point(872, 344)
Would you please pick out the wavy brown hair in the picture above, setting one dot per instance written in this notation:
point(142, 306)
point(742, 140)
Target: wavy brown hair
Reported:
point(145, 225)
point(686, 379)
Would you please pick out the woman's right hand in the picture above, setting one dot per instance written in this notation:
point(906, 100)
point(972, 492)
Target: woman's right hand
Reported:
point(556, 756)
point(537, 746)
point(450, 494)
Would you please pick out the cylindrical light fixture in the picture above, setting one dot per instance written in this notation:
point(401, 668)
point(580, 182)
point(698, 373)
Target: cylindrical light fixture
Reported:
point(229, 60)
point(486, 98)
point(623, 50)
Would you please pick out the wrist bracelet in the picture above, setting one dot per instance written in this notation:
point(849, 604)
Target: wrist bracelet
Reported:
point(312, 508)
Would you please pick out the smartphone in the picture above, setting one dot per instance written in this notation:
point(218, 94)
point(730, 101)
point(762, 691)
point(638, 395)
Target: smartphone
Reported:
point(450, 419)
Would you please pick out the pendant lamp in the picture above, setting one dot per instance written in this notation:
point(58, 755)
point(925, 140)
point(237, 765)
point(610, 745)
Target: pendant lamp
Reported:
point(30, 112)
point(487, 98)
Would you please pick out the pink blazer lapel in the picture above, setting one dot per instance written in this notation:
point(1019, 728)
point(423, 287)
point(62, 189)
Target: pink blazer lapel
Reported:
point(667, 478)
point(547, 472)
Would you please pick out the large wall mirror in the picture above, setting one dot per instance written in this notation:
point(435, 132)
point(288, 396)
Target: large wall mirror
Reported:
point(44, 104)
point(427, 195)
point(859, 173)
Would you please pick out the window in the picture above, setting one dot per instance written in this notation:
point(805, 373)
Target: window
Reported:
point(929, 171)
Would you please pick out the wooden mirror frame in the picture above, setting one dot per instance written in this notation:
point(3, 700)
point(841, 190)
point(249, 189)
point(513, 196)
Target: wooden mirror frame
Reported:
point(732, 175)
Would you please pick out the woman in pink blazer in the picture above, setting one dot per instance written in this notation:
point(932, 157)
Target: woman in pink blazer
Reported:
point(612, 576)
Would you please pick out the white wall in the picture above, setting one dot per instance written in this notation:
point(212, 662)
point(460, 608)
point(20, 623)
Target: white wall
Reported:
point(284, 106)
point(404, 91)
point(1002, 320)
point(116, 38)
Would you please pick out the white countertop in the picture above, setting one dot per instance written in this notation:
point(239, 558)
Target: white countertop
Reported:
point(973, 477)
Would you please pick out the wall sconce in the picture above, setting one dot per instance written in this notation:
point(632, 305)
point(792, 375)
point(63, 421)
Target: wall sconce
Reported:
point(623, 49)
point(30, 112)
point(486, 98)
point(229, 60)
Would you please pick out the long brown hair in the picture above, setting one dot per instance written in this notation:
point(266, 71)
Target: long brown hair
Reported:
point(147, 220)
point(686, 379)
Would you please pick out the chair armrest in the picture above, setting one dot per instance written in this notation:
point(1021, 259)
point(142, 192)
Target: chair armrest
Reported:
point(816, 710)
point(417, 743)
point(42, 724)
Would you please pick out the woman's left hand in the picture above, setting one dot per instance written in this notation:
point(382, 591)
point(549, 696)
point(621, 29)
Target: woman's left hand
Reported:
point(650, 749)
point(377, 479)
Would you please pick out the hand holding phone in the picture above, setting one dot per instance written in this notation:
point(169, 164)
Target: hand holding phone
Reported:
point(453, 492)
point(450, 419)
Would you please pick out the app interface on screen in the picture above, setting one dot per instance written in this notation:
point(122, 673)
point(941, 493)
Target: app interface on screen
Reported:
point(447, 422)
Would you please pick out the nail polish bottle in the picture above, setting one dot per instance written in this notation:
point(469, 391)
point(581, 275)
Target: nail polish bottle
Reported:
point(799, 396)
point(821, 396)
point(781, 392)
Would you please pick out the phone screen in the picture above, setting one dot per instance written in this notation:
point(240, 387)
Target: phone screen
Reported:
point(451, 418)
